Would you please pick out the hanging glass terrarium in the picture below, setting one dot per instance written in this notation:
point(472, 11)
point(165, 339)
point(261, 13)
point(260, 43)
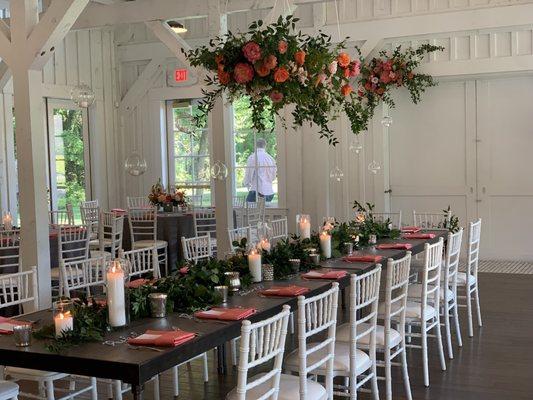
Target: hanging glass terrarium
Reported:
point(82, 96)
point(135, 164)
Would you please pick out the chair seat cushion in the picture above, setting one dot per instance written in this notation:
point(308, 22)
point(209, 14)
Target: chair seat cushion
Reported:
point(412, 310)
point(341, 363)
point(343, 335)
point(141, 244)
point(461, 279)
point(8, 390)
point(415, 292)
point(33, 373)
point(289, 389)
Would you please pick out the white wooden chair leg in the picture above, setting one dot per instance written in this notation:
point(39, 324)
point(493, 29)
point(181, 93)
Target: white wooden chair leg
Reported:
point(49, 385)
point(425, 354)
point(457, 325)
point(409, 330)
point(233, 350)
point(447, 323)
point(479, 322)
point(175, 380)
point(291, 323)
point(156, 387)
point(405, 373)
point(71, 384)
point(117, 390)
point(374, 380)
point(469, 312)
point(42, 389)
point(109, 386)
point(94, 389)
point(206, 367)
point(388, 374)
point(439, 344)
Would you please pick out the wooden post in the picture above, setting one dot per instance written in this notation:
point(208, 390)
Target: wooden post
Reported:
point(221, 132)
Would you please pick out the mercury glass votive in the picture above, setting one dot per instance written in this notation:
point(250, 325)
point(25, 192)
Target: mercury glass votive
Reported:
point(223, 292)
point(22, 335)
point(158, 305)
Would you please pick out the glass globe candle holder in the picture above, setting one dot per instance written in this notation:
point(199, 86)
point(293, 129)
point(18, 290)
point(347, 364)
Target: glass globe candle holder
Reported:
point(135, 164)
point(386, 121)
point(336, 174)
point(117, 279)
point(219, 171)
point(82, 96)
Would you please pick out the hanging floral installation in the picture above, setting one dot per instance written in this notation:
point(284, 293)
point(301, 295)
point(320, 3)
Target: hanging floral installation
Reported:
point(276, 67)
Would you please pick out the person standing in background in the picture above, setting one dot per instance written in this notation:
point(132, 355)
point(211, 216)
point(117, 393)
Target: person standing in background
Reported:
point(260, 173)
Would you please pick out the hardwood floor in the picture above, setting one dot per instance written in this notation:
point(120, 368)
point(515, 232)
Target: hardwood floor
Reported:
point(496, 364)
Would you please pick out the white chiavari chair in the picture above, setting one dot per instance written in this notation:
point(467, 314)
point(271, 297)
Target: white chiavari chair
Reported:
point(90, 214)
point(238, 208)
point(197, 248)
point(143, 231)
point(261, 343)
point(432, 220)
point(238, 201)
point(205, 223)
point(138, 202)
point(24, 284)
point(389, 341)
point(467, 282)
point(8, 390)
point(237, 234)
point(394, 218)
point(280, 229)
point(424, 311)
point(252, 213)
point(143, 262)
point(10, 251)
point(316, 315)
point(110, 232)
point(82, 275)
point(62, 217)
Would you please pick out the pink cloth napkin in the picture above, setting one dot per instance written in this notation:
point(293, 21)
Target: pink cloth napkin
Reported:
point(411, 229)
point(419, 236)
point(226, 314)
point(118, 211)
point(285, 291)
point(162, 338)
point(325, 275)
point(394, 246)
point(361, 258)
point(7, 324)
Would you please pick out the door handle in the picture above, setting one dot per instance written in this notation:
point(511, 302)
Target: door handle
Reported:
point(388, 191)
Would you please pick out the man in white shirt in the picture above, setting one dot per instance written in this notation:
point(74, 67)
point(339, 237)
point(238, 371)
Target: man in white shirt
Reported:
point(260, 173)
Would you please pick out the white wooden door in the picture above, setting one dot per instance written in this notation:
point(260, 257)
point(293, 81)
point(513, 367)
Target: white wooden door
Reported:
point(505, 167)
point(432, 152)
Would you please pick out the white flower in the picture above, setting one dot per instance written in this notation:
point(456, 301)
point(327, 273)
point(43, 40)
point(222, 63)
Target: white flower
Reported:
point(375, 79)
point(333, 67)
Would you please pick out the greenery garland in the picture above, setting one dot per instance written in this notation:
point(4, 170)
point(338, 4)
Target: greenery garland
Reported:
point(276, 67)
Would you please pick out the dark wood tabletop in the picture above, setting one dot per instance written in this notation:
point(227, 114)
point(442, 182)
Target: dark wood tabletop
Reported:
point(138, 366)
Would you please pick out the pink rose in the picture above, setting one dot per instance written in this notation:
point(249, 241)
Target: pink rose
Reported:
point(355, 68)
point(282, 47)
point(243, 73)
point(320, 79)
point(387, 65)
point(252, 51)
point(385, 77)
point(276, 96)
point(333, 67)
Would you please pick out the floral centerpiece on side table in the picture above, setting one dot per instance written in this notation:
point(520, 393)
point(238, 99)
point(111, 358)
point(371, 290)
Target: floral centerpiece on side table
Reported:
point(276, 66)
point(167, 200)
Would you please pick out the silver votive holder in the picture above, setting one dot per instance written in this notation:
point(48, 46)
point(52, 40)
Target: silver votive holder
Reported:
point(22, 335)
point(234, 281)
point(223, 292)
point(348, 248)
point(295, 265)
point(268, 272)
point(372, 239)
point(314, 259)
point(158, 305)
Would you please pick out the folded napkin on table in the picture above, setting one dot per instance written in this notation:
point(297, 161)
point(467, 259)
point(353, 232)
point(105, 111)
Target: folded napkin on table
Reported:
point(226, 314)
point(137, 283)
point(7, 324)
point(394, 246)
point(411, 229)
point(325, 275)
point(162, 338)
point(284, 291)
point(361, 258)
point(419, 236)
point(118, 211)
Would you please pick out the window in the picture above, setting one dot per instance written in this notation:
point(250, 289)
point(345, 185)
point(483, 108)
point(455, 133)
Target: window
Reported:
point(188, 148)
point(69, 170)
point(251, 172)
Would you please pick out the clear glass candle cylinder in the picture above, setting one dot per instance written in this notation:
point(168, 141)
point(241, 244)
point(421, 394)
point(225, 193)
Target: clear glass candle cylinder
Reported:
point(63, 316)
point(303, 222)
point(117, 279)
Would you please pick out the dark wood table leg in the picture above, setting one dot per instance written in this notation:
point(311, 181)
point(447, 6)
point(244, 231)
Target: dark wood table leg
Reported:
point(221, 359)
point(137, 391)
point(343, 299)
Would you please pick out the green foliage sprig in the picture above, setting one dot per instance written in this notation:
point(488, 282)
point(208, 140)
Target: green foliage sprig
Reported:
point(276, 66)
point(371, 226)
point(451, 223)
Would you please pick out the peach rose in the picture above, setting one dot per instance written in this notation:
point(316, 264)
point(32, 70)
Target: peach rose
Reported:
point(224, 77)
point(281, 75)
point(346, 90)
point(282, 47)
point(270, 61)
point(252, 51)
point(343, 59)
point(243, 73)
point(276, 96)
point(261, 69)
point(299, 57)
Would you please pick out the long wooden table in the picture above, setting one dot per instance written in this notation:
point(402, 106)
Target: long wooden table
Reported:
point(136, 367)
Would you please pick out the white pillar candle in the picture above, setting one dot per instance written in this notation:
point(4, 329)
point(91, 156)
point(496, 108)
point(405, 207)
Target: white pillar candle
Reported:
point(325, 244)
point(116, 302)
point(63, 322)
point(304, 227)
point(254, 263)
point(7, 221)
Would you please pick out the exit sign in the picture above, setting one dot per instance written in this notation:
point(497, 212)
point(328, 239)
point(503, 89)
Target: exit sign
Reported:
point(180, 75)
